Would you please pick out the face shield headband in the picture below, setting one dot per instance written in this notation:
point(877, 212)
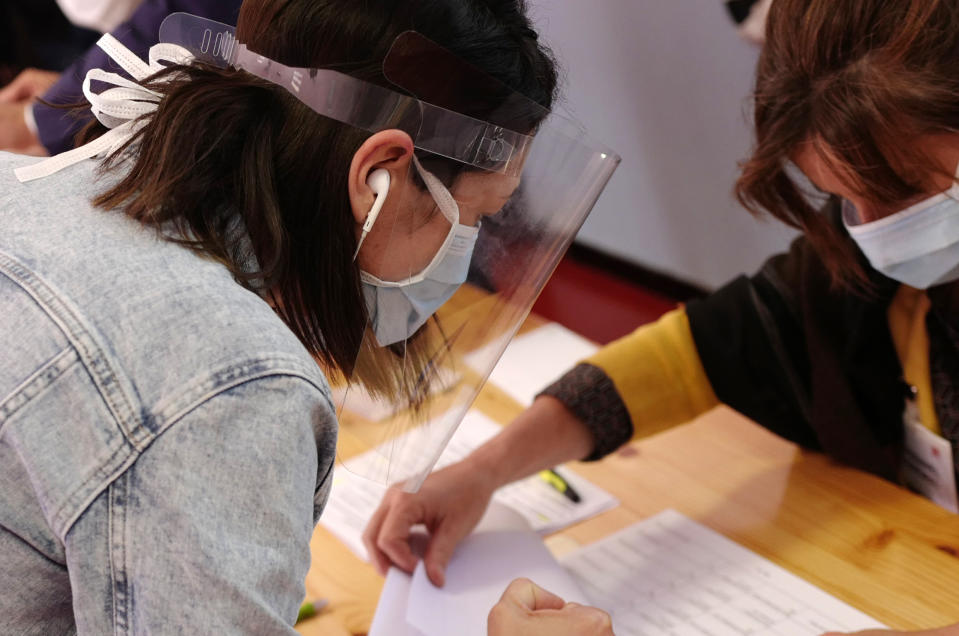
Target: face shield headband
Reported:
point(360, 104)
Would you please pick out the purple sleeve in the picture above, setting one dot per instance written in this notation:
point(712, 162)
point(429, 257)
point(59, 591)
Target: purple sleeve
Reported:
point(57, 127)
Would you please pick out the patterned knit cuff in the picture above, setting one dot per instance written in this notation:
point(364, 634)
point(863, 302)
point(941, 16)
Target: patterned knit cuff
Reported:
point(591, 396)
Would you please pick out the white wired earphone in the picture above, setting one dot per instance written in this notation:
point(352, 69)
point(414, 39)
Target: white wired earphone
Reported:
point(379, 182)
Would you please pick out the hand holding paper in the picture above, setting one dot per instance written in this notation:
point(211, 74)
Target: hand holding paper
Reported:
point(452, 499)
point(502, 549)
point(450, 504)
point(526, 608)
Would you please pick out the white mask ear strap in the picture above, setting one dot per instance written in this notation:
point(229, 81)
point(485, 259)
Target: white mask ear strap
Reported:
point(119, 108)
point(106, 143)
point(441, 194)
point(123, 56)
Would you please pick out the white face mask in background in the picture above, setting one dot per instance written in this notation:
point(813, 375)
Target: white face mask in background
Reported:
point(918, 246)
point(398, 309)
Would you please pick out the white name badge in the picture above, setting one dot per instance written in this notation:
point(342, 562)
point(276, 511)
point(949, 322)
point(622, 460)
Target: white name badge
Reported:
point(927, 462)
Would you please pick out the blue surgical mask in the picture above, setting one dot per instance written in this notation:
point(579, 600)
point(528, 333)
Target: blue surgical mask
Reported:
point(397, 309)
point(918, 246)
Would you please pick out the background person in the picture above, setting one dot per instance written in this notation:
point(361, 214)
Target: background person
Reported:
point(36, 33)
point(101, 16)
point(27, 126)
point(825, 344)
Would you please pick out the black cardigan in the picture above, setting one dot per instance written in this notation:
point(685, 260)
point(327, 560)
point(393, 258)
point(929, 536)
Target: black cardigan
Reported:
point(809, 361)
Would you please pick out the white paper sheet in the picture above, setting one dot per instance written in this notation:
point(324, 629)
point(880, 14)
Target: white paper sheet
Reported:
point(670, 576)
point(535, 359)
point(390, 617)
point(354, 499)
point(482, 567)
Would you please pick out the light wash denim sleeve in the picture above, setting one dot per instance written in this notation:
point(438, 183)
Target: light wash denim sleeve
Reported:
point(166, 441)
point(208, 532)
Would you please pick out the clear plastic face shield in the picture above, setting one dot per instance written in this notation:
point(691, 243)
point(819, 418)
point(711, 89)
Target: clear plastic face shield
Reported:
point(453, 252)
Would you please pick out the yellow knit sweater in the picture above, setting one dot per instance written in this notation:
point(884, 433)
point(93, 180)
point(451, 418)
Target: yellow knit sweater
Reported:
point(658, 374)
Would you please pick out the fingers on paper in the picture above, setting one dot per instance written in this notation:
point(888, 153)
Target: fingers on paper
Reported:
point(442, 543)
point(530, 596)
point(387, 536)
point(588, 620)
point(529, 609)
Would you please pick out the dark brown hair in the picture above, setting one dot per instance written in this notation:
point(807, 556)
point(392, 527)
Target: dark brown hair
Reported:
point(224, 146)
point(859, 80)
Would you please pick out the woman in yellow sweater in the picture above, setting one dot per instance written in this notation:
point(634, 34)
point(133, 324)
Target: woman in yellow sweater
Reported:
point(848, 344)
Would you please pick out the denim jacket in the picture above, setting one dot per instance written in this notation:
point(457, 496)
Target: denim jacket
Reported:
point(166, 442)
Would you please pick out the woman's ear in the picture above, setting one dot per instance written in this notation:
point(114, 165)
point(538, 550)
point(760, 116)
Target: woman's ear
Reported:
point(390, 150)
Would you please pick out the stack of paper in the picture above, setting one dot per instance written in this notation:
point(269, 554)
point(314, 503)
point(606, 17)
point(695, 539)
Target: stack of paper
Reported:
point(502, 548)
point(485, 564)
point(665, 576)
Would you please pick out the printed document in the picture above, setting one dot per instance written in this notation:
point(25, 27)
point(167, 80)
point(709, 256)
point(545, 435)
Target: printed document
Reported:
point(671, 576)
point(664, 576)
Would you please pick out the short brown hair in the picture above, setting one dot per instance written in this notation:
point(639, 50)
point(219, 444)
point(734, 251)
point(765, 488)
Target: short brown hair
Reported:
point(224, 146)
point(861, 78)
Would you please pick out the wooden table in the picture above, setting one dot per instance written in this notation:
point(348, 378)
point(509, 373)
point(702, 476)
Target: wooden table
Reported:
point(877, 547)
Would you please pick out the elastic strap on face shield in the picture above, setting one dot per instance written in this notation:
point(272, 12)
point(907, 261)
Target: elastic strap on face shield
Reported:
point(442, 130)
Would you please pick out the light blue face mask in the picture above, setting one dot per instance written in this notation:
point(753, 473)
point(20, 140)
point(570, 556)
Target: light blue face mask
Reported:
point(918, 246)
point(398, 309)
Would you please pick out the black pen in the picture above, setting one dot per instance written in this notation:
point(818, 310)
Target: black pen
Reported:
point(556, 480)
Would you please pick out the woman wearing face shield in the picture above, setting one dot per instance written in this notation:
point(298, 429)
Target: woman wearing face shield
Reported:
point(166, 435)
point(848, 343)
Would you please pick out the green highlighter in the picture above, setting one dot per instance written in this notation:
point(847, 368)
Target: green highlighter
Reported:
point(311, 608)
point(556, 480)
